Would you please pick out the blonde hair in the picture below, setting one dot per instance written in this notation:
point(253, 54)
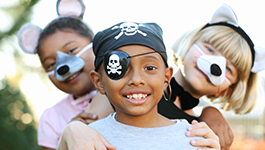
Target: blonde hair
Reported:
point(234, 47)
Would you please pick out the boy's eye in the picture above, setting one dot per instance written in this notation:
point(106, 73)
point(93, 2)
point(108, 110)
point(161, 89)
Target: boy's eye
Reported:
point(71, 51)
point(150, 68)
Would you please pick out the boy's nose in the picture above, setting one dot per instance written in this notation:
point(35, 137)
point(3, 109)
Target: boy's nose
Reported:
point(136, 78)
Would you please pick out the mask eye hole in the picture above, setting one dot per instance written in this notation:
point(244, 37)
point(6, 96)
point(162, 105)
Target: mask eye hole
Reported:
point(116, 64)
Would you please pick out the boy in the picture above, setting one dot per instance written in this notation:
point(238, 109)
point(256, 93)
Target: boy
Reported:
point(131, 70)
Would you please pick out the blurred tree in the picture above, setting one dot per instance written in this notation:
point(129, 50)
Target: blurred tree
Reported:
point(17, 124)
point(17, 127)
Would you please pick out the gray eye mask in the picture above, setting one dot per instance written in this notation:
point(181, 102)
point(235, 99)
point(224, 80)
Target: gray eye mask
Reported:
point(213, 66)
point(67, 65)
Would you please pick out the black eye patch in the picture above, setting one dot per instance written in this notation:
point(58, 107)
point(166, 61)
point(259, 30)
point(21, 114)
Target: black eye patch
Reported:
point(117, 62)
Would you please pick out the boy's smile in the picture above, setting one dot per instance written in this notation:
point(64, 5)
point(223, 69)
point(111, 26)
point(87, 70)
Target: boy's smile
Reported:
point(137, 96)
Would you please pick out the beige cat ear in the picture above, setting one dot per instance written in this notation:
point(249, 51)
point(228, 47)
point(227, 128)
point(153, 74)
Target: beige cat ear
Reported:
point(28, 36)
point(224, 14)
point(70, 8)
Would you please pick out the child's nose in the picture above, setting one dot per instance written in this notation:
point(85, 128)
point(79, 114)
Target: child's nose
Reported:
point(136, 78)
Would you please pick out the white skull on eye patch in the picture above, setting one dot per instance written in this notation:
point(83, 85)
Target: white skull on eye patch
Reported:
point(114, 64)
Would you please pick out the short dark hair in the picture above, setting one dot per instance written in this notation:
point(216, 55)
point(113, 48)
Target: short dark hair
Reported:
point(62, 23)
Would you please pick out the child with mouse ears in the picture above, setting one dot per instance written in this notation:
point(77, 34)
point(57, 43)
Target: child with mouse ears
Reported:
point(131, 70)
point(64, 48)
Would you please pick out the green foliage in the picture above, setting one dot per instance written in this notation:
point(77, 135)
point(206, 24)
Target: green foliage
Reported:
point(20, 14)
point(17, 125)
point(18, 128)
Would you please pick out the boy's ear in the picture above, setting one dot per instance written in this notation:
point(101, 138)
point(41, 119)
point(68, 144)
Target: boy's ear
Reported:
point(223, 93)
point(168, 75)
point(96, 79)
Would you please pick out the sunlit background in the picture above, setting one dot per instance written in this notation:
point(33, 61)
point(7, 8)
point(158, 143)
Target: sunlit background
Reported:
point(175, 17)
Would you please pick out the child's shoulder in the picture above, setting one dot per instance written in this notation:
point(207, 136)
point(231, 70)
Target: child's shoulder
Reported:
point(181, 122)
point(62, 105)
point(102, 122)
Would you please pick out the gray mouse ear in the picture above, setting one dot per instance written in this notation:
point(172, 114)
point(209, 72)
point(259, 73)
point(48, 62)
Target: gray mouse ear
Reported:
point(70, 8)
point(28, 36)
point(259, 62)
point(224, 14)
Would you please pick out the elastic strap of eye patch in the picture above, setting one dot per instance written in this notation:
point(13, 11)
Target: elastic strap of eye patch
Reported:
point(239, 31)
point(135, 55)
point(77, 55)
point(142, 54)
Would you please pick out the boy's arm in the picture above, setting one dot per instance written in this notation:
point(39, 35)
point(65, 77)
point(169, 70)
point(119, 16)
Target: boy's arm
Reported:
point(78, 136)
point(215, 120)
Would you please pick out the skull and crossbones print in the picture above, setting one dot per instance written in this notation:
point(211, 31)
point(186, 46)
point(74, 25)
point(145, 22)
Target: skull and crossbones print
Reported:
point(114, 64)
point(129, 28)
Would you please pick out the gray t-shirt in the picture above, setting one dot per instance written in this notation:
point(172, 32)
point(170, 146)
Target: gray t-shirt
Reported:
point(126, 137)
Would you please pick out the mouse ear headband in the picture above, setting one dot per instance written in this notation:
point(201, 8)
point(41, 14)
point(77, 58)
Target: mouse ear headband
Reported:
point(29, 33)
point(225, 16)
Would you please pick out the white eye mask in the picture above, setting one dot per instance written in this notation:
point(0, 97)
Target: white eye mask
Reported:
point(213, 66)
point(67, 65)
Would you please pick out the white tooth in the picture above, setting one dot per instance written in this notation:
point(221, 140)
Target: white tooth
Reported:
point(137, 96)
point(73, 76)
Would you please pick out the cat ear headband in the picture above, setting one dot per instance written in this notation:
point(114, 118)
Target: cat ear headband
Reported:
point(225, 16)
point(28, 34)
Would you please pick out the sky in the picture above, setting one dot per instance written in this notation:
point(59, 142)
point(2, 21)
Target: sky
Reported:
point(174, 16)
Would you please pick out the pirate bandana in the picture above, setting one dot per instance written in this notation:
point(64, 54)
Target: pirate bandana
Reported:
point(107, 42)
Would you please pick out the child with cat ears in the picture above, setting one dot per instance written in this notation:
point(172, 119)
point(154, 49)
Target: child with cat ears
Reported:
point(64, 48)
point(217, 60)
point(232, 74)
